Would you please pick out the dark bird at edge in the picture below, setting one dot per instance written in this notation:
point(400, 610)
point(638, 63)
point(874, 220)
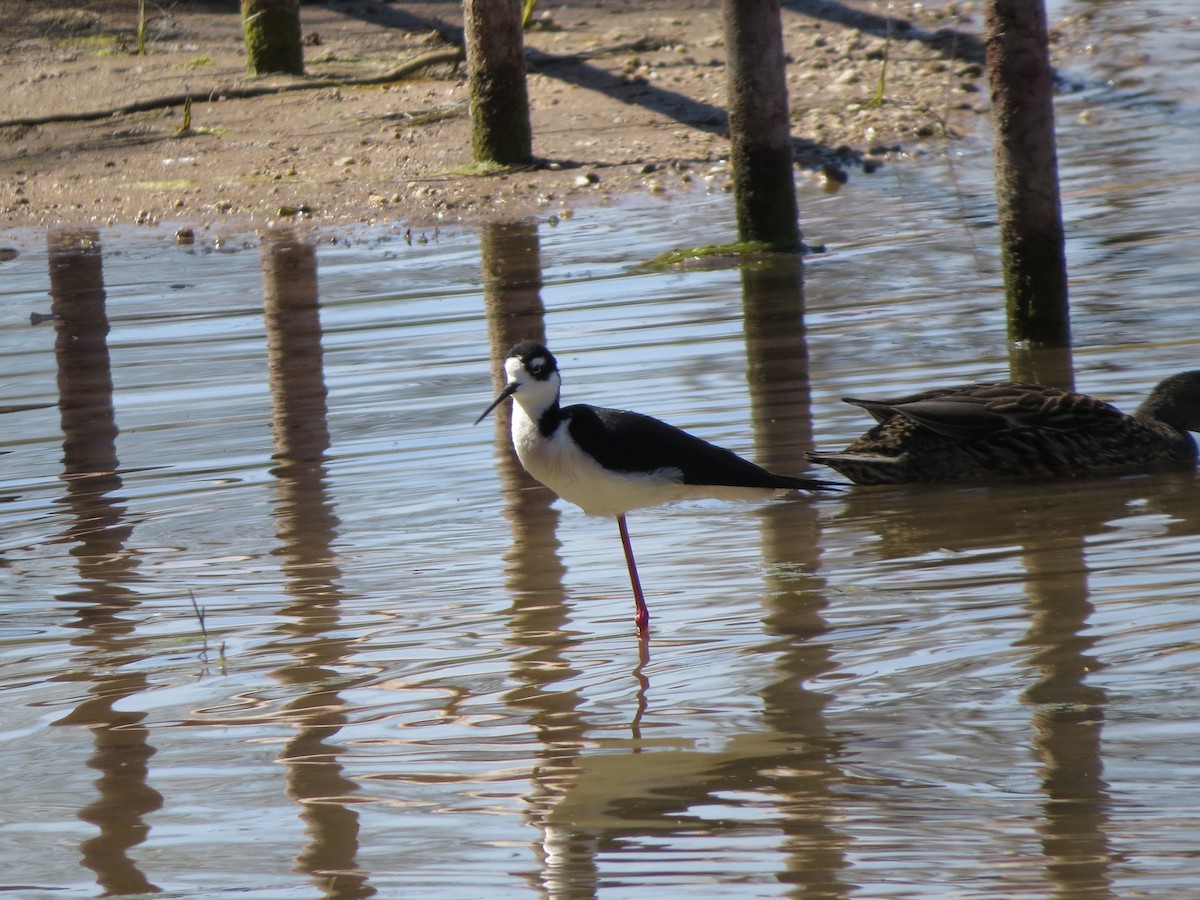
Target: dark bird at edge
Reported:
point(982, 432)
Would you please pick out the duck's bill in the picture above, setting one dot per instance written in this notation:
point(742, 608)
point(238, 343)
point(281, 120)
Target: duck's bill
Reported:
point(508, 391)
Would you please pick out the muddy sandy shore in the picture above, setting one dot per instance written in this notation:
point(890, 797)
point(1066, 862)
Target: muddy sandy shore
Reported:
point(626, 95)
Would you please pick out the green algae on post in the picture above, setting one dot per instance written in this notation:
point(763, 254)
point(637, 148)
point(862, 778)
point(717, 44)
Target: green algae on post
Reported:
point(271, 29)
point(500, 127)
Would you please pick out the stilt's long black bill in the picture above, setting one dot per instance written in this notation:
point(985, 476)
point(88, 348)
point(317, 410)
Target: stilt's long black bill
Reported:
point(508, 391)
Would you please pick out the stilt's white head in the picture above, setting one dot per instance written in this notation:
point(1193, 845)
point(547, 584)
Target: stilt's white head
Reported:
point(532, 377)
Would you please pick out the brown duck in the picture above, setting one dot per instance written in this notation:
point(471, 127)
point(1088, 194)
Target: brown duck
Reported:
point(979, 432)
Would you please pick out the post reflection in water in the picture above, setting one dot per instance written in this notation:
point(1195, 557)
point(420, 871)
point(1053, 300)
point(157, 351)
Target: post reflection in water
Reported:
point(1068, 718)
point(98, 533)
point(1067, 714)
point(307, 528)
point(510, 256)
point(512, 284)
point(797, 763)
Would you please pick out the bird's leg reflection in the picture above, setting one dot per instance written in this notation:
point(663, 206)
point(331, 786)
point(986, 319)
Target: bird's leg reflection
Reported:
point(643, 699)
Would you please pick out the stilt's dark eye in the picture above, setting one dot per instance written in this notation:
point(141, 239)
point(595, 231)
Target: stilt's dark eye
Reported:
point(536, 366)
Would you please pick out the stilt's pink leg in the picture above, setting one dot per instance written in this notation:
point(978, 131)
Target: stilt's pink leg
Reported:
point(642, 617)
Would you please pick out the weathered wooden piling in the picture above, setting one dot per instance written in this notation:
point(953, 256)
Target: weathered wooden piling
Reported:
point(500, 129)
point(271, 30)
point(296, 374)
point(759, 127)
point(1026, 162)
point(85, 384)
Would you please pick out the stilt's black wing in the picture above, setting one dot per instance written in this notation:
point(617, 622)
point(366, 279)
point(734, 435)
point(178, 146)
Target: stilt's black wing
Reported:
point(632, 442)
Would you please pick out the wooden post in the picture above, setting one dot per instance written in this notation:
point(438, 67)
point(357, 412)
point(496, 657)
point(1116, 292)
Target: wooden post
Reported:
point(759, 126)
point(271, 29)
point(500, 129)
point(296, 374)
point(1031, 229)
point(85, 385)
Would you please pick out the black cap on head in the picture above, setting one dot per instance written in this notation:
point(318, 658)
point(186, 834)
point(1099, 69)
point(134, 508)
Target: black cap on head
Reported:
point(538, 361)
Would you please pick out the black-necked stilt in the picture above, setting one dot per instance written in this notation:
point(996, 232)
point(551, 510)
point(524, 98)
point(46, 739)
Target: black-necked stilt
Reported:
point(608, 461)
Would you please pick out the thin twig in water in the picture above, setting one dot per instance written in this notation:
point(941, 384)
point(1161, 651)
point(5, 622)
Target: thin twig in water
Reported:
point(199, 616)
point(203, 628)
point(199, 610)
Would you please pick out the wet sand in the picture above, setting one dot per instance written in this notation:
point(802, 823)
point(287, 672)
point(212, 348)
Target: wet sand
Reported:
point(625, 96)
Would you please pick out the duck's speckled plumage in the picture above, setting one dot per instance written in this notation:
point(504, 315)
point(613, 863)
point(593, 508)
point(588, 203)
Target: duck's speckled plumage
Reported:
point(981, 432)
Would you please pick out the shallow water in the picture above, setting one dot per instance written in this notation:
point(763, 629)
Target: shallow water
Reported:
point(280, 622)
